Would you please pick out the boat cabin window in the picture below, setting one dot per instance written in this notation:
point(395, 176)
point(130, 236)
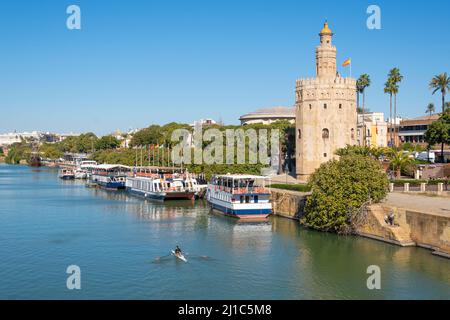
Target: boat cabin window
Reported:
point(247, 199)
point(255, 199)
point(242, 199)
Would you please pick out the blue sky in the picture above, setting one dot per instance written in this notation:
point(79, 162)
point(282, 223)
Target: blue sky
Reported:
point(139, 62)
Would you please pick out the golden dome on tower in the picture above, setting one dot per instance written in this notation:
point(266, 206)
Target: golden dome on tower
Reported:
point(325, 29)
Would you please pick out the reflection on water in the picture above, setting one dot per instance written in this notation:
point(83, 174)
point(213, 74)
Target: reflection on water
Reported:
point(122, 244)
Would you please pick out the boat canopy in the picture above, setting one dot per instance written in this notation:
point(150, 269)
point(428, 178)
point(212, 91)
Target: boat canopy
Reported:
point(112, 167)
point(239, 176)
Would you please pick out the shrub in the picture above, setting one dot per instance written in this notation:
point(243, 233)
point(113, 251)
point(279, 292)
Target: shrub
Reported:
point(340, 188)
point(293, 187)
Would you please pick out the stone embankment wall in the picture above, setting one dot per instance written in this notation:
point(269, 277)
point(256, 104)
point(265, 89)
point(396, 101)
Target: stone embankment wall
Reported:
point(288, 204)
point(428, 230)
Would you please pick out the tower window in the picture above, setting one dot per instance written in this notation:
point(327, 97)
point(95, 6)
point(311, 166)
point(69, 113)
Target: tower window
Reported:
point(325, 133)
point(325, 155)
point(340, 105)
point(324, 105)
point(310, 107)
point(299, 133)
point(353, 133)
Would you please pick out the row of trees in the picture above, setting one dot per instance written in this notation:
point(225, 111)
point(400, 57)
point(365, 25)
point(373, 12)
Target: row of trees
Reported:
point(84, 143)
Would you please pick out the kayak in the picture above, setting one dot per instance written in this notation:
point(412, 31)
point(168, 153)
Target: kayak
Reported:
point(179, 256)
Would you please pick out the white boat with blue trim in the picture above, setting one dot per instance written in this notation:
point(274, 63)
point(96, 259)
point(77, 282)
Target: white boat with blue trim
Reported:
point(240, 196)
point(159, 184)
point(109, 176)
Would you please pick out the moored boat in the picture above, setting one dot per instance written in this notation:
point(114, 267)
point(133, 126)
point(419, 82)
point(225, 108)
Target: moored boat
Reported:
point(109, 176)
point(239, 196)
point(155, 184)
point(66, 173)
point(80, 174)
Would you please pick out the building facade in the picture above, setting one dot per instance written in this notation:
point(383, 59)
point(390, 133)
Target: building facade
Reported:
point(269, 115)
point(413, 130)
point(325, 111)
point(376, 129)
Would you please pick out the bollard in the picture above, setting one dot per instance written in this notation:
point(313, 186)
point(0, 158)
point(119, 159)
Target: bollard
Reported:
point(423, 187)
point(406, 187)
point(391, 187)
point(440, 187)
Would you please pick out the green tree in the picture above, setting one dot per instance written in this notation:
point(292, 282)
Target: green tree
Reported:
point(107, 142)
point(340, 188)
point(50, 151)
point(441, 83)
point(399, 161)
point(438, 132)
point(430, 109)
point(83, 143)
point(361, 84)
point(390, 88)
point(151, 135)
point(19, 151)
point(395, 78)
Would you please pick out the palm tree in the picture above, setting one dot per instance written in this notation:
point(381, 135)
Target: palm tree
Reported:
point(396, 78)
point(430, 108)
point(441, 83)
point(389, 88)
point(399, 160)
point(361, 84)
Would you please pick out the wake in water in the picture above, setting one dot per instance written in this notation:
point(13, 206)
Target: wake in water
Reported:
point(170, 256)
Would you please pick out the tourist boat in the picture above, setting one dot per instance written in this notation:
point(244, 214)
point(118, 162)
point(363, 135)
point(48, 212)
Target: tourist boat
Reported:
point(109, 176)
point(66, 174)
point(80, 174)
point(88, 164)
point(240, 196)
point(153, 183)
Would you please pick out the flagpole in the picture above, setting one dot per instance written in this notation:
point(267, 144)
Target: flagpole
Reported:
point(350, 68)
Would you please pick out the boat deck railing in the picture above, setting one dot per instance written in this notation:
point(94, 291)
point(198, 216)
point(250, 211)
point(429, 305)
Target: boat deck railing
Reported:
point(243, 190)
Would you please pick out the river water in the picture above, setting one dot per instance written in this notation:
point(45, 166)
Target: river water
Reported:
point(121, 244)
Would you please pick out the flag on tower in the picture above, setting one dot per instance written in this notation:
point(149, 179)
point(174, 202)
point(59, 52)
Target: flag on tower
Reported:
point(347, 62)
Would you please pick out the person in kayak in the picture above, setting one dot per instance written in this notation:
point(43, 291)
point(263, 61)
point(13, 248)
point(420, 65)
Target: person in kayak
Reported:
point(177, 250)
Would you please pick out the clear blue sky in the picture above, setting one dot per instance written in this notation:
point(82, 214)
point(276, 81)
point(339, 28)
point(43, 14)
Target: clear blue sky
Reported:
point(134, 63)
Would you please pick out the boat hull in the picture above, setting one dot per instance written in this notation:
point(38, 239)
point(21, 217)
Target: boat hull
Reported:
point(111, 185)
point(162, 195)
point(257, 213)
point(68, 177)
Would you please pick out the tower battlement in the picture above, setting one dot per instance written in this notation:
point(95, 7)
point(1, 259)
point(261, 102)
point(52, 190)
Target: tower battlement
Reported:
point(327, 81)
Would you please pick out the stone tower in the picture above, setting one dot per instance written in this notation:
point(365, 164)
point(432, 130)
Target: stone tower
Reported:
point(325, 111)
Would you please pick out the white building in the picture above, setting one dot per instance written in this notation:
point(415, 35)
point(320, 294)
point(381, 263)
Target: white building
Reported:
point(203, 122)
point(376, 129)
point(269, 115)
point(7, 139)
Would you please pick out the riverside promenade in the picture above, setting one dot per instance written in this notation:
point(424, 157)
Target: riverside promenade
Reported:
point(430, 204)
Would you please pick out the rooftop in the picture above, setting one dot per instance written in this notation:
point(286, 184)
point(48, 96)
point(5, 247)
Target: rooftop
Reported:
point(278, 111)
point(420, 120)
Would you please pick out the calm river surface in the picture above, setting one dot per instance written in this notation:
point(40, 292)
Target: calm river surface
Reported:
point(47, 224)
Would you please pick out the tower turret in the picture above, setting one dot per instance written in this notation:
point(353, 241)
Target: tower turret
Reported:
point(326, 54)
